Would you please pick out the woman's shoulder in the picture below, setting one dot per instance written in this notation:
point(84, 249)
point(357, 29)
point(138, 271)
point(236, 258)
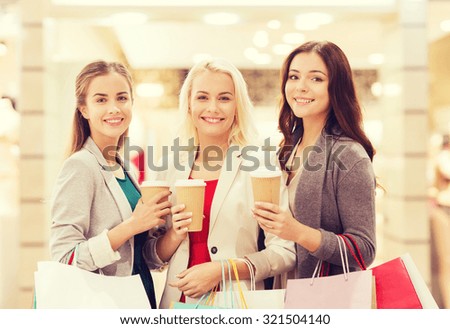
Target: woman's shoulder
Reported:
point(349, 148)
point(346, 153)
point(81, 161)
point(81, 157)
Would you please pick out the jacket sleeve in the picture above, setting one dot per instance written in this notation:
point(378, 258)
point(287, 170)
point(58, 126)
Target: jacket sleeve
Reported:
point(73, 196)
point(355, 198)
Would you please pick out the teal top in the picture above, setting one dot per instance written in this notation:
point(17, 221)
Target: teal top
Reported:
point(139, 266)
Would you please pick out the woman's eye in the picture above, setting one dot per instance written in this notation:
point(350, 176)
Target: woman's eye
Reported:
point(202, 97)
point(293, 77)
point(224, 98)
point(123, 98)
point(317, 79)
point(101, 100)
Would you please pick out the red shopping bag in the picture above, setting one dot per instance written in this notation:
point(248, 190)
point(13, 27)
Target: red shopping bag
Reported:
point(398, 282)
point(399, 285)
point(394, 288)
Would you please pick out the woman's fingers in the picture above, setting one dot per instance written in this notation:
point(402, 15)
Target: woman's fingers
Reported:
point(264, 213)
point(177, 208)
point(157, 197)
point(267, 206)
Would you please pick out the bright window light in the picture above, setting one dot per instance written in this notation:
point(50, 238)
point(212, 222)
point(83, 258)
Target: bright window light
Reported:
point(3, 49)
point(282, 49)
point(377, 89)
point(445, 25)
point(294, 38)
point(200, 57)
point(392, 89)
point(146, 89)
point(221, 18)
point(312, 21)
point(126, 18)
point(262, 59)
point(261, 39)
point(251, 53)
point(376, 59)
point(274, 24)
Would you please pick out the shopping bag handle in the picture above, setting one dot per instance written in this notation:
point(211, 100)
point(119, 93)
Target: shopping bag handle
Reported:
point(344, 260)
point(344, 257)
point(251, 271)
point(236, 276)
point(354, 250)
point(224, 287)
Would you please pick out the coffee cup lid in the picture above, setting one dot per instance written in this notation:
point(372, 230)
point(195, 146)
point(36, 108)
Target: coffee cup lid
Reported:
point(155, 183)
point(190, 182)
point(266, 173)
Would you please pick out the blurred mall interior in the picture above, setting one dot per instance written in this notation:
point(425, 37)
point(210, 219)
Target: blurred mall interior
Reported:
point(399, 51)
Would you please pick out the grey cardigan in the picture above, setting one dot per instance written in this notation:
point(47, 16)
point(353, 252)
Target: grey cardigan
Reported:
point(336, 194)
point(87, 202)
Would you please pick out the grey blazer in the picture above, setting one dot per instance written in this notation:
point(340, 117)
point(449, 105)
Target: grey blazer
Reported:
point(87, 202)
point(336, 194)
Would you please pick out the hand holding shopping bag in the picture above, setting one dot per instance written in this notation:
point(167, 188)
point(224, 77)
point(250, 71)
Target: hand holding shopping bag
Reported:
point(347, 290)
point(235, 296)
point(257, 299)
point(208, 299)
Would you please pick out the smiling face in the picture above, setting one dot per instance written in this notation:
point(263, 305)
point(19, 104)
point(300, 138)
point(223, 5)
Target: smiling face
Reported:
point(212, 105)
point(307, 87)
point(107, 108)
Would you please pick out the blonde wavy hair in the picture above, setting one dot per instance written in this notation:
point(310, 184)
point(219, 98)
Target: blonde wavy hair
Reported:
point(243, 131)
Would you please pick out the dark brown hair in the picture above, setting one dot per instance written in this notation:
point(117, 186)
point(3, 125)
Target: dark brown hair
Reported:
point(80, 128)
point(345, 113)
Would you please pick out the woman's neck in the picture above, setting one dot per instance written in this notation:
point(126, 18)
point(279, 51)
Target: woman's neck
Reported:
point(212, 149)
point(311, 132)
point(109, 149)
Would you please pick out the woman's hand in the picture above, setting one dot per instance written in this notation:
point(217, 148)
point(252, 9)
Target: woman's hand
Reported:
point(282, 224)
point(180, 222)
point(169, 242)
point(199, 279)
point(147, 215)
point(276, 221)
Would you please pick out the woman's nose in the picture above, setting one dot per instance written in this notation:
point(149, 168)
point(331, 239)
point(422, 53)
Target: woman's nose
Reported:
point(301, 86)
point(113, 109)
point(212, 106)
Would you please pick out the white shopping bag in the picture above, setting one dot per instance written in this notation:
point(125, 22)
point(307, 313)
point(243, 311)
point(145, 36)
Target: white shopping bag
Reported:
point(255, 299)
point(60, 285)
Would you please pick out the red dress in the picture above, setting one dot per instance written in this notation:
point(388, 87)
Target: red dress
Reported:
point(198, 241)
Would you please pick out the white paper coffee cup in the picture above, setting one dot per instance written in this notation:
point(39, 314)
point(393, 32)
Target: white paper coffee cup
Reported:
point(266, 185)
point(150, 188)
point(191, 193)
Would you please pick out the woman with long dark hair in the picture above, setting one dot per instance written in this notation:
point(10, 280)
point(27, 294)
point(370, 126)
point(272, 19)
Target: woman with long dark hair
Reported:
point(326, 159)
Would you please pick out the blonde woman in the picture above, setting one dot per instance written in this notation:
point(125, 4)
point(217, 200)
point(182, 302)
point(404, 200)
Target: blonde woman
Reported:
point(217, 120)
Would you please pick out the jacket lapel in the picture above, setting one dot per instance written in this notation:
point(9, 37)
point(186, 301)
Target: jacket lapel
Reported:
point(110, 180)
point(227, 176)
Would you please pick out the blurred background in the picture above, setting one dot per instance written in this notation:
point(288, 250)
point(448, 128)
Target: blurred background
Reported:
point(399, 51)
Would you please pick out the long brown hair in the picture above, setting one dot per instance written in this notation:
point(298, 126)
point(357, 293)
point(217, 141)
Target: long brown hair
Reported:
point(80, 127)
point(345, 113)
